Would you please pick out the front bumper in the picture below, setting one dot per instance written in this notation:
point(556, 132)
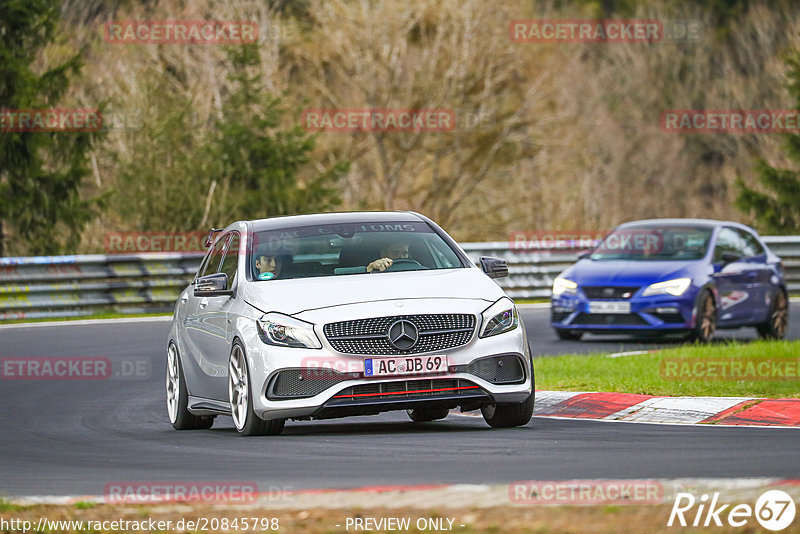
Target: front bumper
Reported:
point(323, 383)
point(658, 313)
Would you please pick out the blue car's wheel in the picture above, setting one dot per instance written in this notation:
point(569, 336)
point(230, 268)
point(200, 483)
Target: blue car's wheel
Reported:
point(706, 319)
point(778, 319)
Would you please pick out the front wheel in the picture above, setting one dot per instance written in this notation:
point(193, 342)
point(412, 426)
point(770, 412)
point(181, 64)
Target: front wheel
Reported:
point(247, 423)
point(778, 320)
point(511, 414)
point(706, 320)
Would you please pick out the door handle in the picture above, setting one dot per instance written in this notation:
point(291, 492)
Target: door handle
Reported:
point(203, 302)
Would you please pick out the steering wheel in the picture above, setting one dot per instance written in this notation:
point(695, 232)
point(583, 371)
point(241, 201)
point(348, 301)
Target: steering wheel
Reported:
point(404, 264)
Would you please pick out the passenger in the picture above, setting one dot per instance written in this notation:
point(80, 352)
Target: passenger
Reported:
point(269, 266)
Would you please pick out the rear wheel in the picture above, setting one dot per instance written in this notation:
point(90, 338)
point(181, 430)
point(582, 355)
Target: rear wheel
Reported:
point(778, 320)
point(240, 396)
point(568, 335)
point(178, 396)
point(421, 415)
point(706, 319)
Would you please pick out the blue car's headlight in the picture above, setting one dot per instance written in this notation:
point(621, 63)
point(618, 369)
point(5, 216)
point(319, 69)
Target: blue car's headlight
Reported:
point(562, 285)
point(284, 331)
point(499, 317)
point(675, 287)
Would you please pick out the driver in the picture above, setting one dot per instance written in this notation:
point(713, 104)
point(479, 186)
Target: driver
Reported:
point(395, 250)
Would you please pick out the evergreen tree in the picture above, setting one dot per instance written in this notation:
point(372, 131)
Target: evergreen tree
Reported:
point(776, 206)
point(261, 164)
point(41, 173)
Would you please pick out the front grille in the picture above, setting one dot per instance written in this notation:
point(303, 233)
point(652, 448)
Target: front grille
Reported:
point(609, 319)
point(609, 292)
point(558, 317)
point(505, 369)
point(371, 336)
point(408, 389)
point(299, 383)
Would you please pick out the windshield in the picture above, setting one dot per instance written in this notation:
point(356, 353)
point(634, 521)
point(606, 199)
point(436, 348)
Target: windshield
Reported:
point(343, 249)
point(654, 243)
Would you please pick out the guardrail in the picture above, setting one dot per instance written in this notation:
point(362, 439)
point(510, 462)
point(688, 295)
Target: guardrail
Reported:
point(64, 286)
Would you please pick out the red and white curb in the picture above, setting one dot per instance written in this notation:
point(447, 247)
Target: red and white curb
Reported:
point(631, 407)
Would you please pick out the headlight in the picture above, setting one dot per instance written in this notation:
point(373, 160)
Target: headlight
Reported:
point(285, 331)
point(499, 317)
point(671, 287)
point(562, 285)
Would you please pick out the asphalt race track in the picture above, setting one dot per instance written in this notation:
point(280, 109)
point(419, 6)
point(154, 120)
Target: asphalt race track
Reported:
point(69, 437)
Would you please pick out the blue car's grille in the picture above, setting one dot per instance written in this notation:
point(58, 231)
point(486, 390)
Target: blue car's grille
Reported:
point(609, 292)
point(609, 319)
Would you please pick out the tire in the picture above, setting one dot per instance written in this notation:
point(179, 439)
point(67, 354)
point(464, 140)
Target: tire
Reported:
point(421, 415)
point(568, 335)
point(178, 396)
point(512, 414)
point(705, 320)
point(778, 319)
point(240, 398)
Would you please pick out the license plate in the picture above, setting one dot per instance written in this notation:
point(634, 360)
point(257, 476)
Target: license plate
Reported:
point(609, 306)
point(405, 365)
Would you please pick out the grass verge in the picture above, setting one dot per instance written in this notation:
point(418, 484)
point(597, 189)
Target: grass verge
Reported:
point(677, 371)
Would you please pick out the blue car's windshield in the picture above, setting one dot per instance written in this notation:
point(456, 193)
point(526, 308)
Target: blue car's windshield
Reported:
point(656, 242)
point(340, 249)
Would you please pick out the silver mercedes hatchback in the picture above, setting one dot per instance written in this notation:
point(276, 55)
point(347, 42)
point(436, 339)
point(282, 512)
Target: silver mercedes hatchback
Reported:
point(343, 314)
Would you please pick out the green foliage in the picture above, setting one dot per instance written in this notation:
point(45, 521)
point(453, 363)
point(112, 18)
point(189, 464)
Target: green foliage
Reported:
point(163, 181)
point(41, 174)
point(777, 207)
point(243, 163)
point(261, 164)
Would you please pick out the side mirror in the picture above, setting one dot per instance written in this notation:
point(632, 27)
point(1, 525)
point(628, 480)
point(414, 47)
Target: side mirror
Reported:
point(212, 285)
point(730, 257)
point(494, 267)
point(585, 254)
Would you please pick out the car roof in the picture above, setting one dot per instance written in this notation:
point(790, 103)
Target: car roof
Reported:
point(700, 223)
point(293, 221)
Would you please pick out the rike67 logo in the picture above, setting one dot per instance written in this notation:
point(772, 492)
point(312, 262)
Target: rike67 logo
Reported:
point(774, 510)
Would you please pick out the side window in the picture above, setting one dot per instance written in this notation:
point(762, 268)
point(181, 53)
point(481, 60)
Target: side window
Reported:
point(751, 245)
point(231, 261)
point(212, 265)
point(728, 241)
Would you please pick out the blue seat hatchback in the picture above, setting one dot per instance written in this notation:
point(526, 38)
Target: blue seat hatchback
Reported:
point(673, 276)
